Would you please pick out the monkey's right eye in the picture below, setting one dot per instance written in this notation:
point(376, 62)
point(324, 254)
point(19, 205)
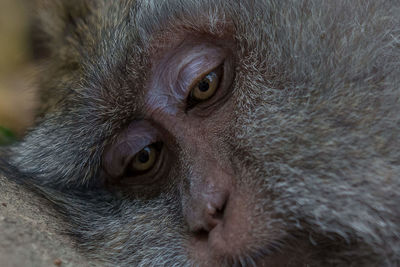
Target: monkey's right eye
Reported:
point(206, 88)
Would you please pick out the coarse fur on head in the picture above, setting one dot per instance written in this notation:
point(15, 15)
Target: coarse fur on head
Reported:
point(313, 141)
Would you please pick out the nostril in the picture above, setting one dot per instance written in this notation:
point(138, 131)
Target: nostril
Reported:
point(219, 213)
point(215, 213)
point(217, 202)
point(214, 210)
point(201, 235)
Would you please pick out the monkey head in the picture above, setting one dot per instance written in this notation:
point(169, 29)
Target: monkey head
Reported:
point(219, 133)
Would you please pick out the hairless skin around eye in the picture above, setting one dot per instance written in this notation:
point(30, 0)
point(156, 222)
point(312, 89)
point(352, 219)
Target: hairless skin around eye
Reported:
point(129, 142)
point(178, 71)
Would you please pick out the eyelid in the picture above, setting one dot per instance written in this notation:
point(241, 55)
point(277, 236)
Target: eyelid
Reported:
point(200, 78)
point(190, 101)
point(188, 77)
point(173, 75)
point(130, 141)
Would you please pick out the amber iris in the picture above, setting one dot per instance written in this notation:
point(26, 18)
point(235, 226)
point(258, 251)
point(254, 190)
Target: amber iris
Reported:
point(145, 159)
point(206, 88)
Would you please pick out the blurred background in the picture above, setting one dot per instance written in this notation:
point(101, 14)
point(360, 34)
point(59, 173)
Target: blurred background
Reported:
point(17, 84)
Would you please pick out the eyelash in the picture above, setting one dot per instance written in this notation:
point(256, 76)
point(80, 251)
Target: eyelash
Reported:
point(191, 102)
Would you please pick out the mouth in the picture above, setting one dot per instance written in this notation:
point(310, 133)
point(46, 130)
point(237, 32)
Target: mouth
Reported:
point(273, 253)
point(262, 257)
point(287, 250)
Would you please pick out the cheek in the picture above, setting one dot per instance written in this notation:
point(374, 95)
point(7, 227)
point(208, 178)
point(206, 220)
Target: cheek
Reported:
point(245, 229)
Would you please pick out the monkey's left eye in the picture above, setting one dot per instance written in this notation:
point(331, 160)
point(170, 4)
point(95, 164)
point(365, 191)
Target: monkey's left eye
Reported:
point(205, 88)
point(145, 160)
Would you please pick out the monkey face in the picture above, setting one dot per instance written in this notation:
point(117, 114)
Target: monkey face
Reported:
point(182, 143)
point(222, 133)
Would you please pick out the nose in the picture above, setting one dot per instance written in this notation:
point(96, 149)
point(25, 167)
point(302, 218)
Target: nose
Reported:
point(207, 211)
point(207, 200)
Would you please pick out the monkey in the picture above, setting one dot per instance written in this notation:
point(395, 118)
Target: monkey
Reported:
point(219, 133)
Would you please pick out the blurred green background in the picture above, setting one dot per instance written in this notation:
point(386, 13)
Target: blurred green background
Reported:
point(17, 85)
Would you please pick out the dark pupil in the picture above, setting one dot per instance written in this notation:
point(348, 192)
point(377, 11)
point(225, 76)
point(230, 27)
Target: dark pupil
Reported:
point(204, 86)
point(143, 156)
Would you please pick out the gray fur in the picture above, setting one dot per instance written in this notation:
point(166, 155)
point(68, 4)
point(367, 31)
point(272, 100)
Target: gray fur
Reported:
point(317, 129)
